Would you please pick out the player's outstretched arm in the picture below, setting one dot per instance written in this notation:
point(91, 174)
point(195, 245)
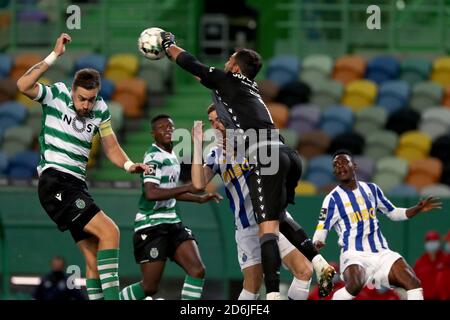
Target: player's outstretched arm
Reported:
point(116, 155)
point(425, 205)
point(27, 83)
point(154, 193)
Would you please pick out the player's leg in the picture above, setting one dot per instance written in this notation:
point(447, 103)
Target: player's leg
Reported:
point(150, 252)
point(300, 268)
point(184, 251)
point(89, 248)
point(402, 275)
point(355, 278)
point(253, 276)
point(107, 232)
point(297, 236)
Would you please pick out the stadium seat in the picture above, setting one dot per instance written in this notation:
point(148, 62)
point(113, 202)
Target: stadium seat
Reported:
point(365, 168)
point(382, 68)
point(294, 93)
point(8, 89)
point(131, 104)
point(22, 63)
point(157, 74)
point(3, 162)
point(436, 190)
point(23, 165)
point(5, 65)
point(135, 86)
point(107, 89)
point(446, 97)
point(125, 61)
point(291, 138)
point(359, 94)
point(268, 90)
point(316, 67)
point(13, 110)
point(349, 68)
point(95, 61)
point(94, 151)
point(390, 172)
point(34, 120)
point(320, 170)
point(117, 75)
point(336, 120)
point(440, 148)
point(313, 143)
point(445, 178)
point(303, 118)
point(424, 172)
point(306, 188)
point(441, 71)
point(116, 111)
point(326, 93)
point(369, 120)
point(435, 122)
point(414, 145)
point(393, 95)
point(280, 114)
point(414, 70)
point(61, 69)
point(283, 69)
point(351, 141)
point(403, 120)
point(403, 190)
point(425, 95)
point(17, 139)
point(380, 144)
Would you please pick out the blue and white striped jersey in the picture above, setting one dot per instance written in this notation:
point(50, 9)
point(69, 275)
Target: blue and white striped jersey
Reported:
point(353, 214)
point(234, 176)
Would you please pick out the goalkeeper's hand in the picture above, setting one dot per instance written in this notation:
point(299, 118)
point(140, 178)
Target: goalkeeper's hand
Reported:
point(167, 40)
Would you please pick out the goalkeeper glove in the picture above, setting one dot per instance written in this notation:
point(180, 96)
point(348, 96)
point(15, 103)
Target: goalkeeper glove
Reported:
point(167, 40)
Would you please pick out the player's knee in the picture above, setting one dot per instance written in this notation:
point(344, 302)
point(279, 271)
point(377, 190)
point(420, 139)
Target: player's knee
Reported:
point(197, 271)
point(354, 286)
point(413, 283)
point(304, 272)
point(150, 288)
point(110, 232)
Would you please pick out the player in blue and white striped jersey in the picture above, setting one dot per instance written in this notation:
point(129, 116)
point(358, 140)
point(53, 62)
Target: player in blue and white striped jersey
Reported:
point(351, 209)
point(234, 173)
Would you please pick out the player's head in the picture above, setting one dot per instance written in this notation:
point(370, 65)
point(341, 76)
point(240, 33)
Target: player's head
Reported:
point(85, 88)
point(58, 264)
point(162, 129)
point(246, 62)
point(343, 165)
point(214, 120)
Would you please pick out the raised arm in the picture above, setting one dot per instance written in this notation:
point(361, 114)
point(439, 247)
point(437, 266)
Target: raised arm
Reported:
point(27, 84)
point(115, 153)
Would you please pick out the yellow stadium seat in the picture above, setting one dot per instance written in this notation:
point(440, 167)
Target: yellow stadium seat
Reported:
point(94, 151)
point(410, 153)
point(416, 139)
point(124, 61)
point(441, 71)
point(306, 188)
point(359, 94)
point(117, 75)
point(280, 114)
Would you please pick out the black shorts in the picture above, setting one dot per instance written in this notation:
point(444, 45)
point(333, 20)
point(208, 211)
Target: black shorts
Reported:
point(67, 202)
point(160, 242)
point(271, 194)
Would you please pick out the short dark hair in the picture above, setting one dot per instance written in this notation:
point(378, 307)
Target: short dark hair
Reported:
point(211, 108)
point(159, 117)
point(249, 61)
point(342, 151)
point(87, 78)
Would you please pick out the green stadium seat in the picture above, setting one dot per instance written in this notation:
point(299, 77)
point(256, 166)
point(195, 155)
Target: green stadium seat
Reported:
point(415, 70)
point(380, 144)
point(369, 120)
point(393, 165)
point(17, 139)
point(326, 92)
point(291, 137)
point(425, 95)
point(435, 122)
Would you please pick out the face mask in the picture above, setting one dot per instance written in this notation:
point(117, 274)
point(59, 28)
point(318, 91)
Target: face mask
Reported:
point(447, 247)
point(432, 246)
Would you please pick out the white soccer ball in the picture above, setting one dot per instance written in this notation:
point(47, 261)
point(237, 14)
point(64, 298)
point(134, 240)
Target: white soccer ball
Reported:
point(149, 43)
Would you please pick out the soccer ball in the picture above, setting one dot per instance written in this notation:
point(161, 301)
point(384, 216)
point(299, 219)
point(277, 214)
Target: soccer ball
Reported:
point(149, 43)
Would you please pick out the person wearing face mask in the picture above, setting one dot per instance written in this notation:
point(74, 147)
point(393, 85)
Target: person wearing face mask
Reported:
point(443, 275)
point(427, 265)
point(53, 286)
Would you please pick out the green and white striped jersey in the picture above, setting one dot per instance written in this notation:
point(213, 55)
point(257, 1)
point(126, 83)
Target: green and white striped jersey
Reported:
point(164, 172)
point(66, 138)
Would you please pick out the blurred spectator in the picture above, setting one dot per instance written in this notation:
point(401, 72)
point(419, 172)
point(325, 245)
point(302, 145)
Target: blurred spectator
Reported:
point(427, 265)
point(443, 275)
point(377, 294)
point(54, 285)
point(337, 281)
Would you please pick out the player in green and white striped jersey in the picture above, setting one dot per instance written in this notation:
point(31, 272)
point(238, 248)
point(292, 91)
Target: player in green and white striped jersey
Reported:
point(159, 232)
point(71, 118)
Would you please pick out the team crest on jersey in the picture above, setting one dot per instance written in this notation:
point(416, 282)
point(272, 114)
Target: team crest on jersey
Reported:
point(79, 124)
point(323, 214)
point(244, 257)
point(154, 253)
point(80, 203)
point(152, 169)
